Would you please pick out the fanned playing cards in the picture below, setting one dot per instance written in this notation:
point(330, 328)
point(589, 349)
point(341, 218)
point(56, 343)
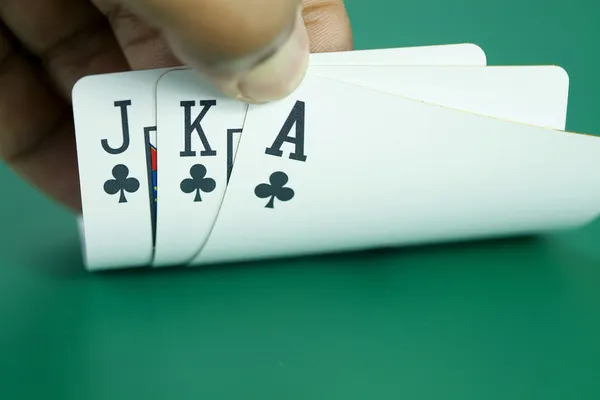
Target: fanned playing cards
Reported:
point(376, 148)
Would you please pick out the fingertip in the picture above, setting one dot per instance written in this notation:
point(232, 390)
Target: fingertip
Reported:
point(276, 75)
point(256, 51)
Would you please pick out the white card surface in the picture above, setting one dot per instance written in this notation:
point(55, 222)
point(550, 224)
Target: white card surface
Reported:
point(455, 54)
point(192, 129)
point(449, 54)
point(533, 95)
point(384, 170)
point(536, 95)
point(451, 76)
point(111, 113)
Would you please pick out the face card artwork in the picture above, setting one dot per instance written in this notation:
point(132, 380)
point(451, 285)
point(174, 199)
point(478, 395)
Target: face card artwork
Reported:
point(152, 169)
point(112, 114)
point(194, 156)
point(398, 172)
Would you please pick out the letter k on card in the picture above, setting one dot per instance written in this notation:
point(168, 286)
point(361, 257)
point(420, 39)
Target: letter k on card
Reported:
point(193, 121)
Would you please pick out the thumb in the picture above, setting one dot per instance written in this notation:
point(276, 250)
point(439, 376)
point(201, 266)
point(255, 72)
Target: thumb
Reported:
point(253, 50)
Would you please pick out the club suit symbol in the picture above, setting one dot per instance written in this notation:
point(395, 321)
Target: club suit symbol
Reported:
point(198, 182)
point(121, 183)
point(275, 189)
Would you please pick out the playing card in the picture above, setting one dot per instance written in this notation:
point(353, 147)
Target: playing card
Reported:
point(533, 95)
point(338, 167)
point(194, 123)
point(169, 249)
point(113, 116)
point(449, 54)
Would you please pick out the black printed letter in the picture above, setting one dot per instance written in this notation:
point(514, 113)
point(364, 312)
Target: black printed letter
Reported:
point(125, 124)
point(296, 117)
point(190, 127)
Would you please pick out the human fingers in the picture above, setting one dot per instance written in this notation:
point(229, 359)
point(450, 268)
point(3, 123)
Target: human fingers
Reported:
point(328, 26)
point(145, 46)
point(45, 46)
point(253, 50)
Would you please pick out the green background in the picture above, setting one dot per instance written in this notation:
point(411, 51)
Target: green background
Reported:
point(516, 319)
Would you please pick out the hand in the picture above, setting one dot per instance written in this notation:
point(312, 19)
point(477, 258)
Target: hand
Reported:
point(255, 50)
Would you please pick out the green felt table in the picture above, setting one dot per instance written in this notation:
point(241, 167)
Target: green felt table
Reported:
point(507, 319)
